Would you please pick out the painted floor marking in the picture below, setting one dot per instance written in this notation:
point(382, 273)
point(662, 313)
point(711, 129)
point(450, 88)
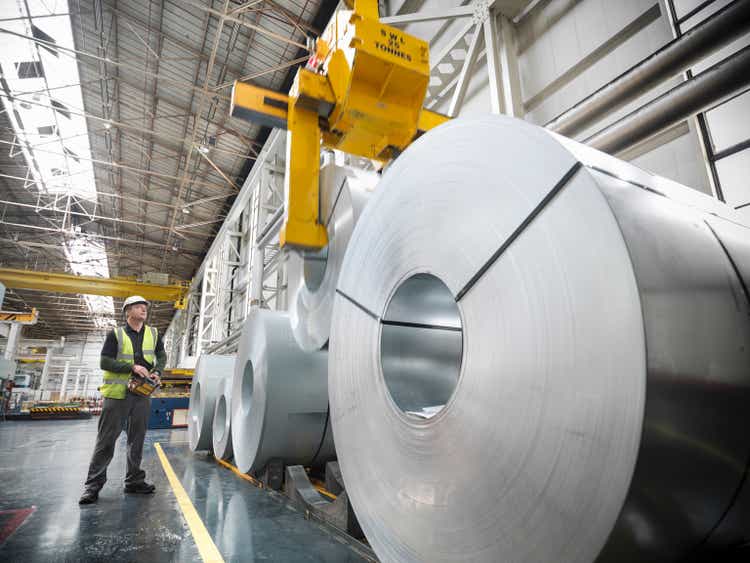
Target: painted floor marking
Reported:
point(206, 546)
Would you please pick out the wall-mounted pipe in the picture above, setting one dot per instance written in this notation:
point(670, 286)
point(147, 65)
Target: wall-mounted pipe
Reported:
point(677, 56)
point(710, 88)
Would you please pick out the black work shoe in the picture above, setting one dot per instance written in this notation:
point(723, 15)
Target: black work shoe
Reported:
point(89, 497)
point(140, 489)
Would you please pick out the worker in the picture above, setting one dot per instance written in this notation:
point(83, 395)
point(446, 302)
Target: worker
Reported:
point(133, 351)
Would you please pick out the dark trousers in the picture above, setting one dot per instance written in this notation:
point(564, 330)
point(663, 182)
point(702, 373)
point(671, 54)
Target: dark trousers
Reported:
point(135, 410)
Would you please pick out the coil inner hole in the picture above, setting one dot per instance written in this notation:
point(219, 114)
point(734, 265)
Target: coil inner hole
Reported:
point(421, 346)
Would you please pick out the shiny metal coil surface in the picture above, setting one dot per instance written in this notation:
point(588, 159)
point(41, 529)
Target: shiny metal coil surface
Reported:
point(210, 373)
point(344, 193)
point(279, 397)
point(596, 408)
point(222, 422)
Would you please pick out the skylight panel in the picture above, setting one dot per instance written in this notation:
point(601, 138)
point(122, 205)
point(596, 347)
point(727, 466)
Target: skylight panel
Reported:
point(50, 129)
point(29, 69)
point(61, 108)
point(39, 34)
point(71, 154)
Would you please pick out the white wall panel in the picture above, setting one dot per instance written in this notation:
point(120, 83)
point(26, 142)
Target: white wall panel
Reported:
point(568, 49)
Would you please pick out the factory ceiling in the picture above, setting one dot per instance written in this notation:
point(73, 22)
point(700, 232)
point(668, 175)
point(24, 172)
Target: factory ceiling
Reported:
point(117, 153)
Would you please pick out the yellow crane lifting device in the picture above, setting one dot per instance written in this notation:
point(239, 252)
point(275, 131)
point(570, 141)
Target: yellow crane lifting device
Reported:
point(91, 285)
point(361, 92)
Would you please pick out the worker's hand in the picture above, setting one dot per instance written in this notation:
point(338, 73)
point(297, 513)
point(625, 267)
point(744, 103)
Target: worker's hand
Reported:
point(156, 378)
point(140, 370)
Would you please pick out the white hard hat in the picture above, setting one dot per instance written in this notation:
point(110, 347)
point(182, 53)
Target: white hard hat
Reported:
point(132, 300)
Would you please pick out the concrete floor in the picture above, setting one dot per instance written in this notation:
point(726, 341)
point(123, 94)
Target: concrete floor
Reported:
point(42, 469)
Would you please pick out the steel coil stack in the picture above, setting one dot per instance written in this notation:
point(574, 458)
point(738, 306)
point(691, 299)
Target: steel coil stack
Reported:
point(210, 374)
point(541, 353)
point(279, 397)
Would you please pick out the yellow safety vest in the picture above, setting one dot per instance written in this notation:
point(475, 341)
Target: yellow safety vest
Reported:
point(116, 384)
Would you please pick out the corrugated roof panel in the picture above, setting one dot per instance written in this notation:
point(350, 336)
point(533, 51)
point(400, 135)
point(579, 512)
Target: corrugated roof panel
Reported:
point(151, 89)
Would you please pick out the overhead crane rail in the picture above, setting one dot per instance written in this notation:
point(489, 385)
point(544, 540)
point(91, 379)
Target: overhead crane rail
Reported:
point(91, 285)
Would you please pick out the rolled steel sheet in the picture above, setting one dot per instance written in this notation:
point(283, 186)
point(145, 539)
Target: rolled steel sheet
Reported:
point(344, 193)
point(596, 408)
point(210, 373)
point(279, 397)
point(222, 422)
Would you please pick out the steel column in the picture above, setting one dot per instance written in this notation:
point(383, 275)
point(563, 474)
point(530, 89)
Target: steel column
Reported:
point(64, 382)
point(77, 381)
point(494, 70)
point(509, 72)
point(13, 337)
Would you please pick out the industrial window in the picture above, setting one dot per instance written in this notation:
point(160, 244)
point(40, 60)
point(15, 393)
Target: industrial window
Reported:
point(71, 154)
point(46, 130)
point(30, 69)
point(60, 108)
point(724, 128)
point(39, 34)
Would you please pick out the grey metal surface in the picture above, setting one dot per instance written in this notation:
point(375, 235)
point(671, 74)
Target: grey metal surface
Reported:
point(734, 239)
point(423, 299)
point(344, 194)
point(531, 458)
point(221, 435)
point(710, 35)
point(280, 397)
point(694, 449)
point(708, 89)
point(210, 374)
point(599, 411)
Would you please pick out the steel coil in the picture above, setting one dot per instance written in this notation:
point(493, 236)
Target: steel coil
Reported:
point(344, 193)
point(569, 382)
point(279, 397)
point(222, 422)
point(210, 373)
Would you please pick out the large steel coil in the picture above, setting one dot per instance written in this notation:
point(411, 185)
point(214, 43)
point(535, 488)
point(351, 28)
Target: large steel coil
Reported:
point(570, 381)
point(222, 422)
point(279, 397)
point(344, 193)
point(210, 373)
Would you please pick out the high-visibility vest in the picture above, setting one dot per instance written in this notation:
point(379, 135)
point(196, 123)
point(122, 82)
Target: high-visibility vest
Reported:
point(116, 384)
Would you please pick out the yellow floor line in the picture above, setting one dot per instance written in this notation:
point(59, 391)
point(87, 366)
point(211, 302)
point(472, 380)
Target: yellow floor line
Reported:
point(206, 546)
point(239, 473)
point(259, 484)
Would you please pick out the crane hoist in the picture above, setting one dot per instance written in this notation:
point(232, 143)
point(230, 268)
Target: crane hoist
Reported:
point(361, 92)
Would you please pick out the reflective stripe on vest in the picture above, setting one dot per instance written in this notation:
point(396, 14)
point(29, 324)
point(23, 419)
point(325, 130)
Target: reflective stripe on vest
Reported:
point(118, 381)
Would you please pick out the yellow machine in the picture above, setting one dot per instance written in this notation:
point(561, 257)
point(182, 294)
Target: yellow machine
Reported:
point(92, 285)
point(143, 386)
point(361, 92)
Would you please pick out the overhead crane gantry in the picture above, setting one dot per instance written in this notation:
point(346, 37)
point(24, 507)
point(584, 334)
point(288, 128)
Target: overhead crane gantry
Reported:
point(361, 92)
point(91, 285)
